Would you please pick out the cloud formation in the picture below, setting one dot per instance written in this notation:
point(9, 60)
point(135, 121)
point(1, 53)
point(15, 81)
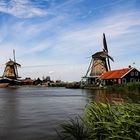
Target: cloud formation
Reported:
point(21, 8)
point(68, 32)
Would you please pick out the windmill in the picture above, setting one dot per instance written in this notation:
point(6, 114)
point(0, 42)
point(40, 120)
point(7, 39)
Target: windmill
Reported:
point(100, 63)
point(11, 71)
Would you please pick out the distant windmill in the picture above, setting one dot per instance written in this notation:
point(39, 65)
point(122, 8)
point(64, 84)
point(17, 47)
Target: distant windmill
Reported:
point(11, 71)
point(100, 62)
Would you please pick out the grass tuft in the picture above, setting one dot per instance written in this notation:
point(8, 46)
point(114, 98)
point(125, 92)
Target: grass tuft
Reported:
point(105, 122)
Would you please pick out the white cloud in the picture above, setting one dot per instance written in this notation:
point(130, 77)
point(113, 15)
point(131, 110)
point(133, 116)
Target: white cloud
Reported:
point(21, 9)
point(72, 42)
point(79, 39)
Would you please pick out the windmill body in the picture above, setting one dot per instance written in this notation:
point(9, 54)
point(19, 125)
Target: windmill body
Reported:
point(10, 74)
point(11, 70)
point(100, 63)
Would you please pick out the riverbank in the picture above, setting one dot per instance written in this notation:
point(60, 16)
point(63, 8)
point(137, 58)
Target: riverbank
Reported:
point(127, 87)
point(135, 86)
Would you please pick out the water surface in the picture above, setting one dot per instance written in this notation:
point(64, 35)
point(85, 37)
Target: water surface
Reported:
point(35, 113)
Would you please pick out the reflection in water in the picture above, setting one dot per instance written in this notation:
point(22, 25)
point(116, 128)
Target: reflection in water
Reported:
point(35, 113)
point(9, 115)
point(105, 97)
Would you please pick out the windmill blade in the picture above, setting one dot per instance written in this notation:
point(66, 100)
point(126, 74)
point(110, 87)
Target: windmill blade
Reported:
point(89, 56)
point(89, 67)
point(14, 55)
point(108, 56)
point(16, 64)
point(104, 43)
point(109, 67)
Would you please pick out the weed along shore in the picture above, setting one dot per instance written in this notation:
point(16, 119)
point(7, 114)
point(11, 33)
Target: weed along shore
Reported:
point(130, 87)
point(104, 121)
point(111, 120)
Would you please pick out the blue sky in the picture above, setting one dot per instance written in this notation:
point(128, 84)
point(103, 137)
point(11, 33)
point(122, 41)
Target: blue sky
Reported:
point(59, 35)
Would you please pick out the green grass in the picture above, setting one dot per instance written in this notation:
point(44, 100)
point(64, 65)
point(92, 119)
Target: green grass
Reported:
point(104, 122)
point(74, 130)
point(135, 86)
point(73, 85)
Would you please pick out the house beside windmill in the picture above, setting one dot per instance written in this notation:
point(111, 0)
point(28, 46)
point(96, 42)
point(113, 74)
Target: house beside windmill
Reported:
point(120, 76)
point(100, 64)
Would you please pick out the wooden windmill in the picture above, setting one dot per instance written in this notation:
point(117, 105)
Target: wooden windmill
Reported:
point(100, 63)
point(11, 71)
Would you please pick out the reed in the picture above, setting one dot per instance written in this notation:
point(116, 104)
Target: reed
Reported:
point(105, 122)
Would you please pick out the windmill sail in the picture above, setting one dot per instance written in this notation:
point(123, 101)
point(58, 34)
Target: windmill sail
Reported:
point(16, 71)
point(105, 49)
point(104, 43)
point(89, 67)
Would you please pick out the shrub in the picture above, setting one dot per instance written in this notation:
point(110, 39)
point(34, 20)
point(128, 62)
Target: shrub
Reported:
point(135, 86)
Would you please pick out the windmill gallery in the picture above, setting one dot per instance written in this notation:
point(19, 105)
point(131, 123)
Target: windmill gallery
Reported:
point(99, 72)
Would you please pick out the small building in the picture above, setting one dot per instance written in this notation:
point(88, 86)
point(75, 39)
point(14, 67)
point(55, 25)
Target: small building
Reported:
point(37, 82)
point(120, 76)
point(27, 81)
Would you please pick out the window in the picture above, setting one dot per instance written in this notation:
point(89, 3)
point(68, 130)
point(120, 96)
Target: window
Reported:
point(136, 73)
point(132, 80)
point(137, 80)
point(123, 80)
point(132, 73)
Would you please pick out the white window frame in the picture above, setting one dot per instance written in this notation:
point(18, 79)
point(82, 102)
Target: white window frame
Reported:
point(136, 73)
point(132, 73)
point(132, 80)
point(124, 81)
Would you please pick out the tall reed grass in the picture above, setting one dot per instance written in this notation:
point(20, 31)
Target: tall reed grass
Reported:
point(104, 122)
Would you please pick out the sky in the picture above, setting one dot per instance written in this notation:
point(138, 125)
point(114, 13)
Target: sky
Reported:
point(56, 38)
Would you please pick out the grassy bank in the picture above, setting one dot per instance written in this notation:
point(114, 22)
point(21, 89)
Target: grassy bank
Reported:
point(129, 87)
point(104, 122)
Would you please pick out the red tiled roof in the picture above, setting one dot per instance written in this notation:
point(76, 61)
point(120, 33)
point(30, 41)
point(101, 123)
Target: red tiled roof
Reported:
point(115, 73)
point(27, 81)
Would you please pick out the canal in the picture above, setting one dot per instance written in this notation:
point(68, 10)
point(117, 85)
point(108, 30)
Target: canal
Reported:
point(36, 113)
